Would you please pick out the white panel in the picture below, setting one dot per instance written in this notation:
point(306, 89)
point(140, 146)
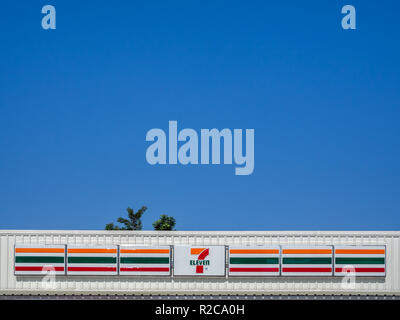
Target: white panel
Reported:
point(91, 260)
point(145, 260)
point(39, 260)
point(254, 261)
point(307, 261)
point(199, 260)
point(360, 261)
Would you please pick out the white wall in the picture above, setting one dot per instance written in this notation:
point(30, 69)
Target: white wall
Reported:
point(164, 285)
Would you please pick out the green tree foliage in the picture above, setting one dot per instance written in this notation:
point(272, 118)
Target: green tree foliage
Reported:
point(133, 222)
point(164, 223)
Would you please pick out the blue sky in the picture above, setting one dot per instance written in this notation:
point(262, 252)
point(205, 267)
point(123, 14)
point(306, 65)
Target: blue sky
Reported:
point(76, 104)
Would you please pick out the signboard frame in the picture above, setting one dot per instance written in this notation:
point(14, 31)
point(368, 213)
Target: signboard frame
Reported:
point(182, 270)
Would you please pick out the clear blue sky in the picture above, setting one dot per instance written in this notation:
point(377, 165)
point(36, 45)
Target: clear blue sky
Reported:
point(76, 103)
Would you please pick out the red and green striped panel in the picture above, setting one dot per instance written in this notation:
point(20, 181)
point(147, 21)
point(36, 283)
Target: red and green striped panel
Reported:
point(307, 261)
point(39, 259)
point(144, 260)
point(92, 260)
point(361, 261)
point(254, 261)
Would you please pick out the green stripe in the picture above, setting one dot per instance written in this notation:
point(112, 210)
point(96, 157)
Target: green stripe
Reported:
point(33, 259)
point(360, 260)
point(254, 260)
point(144, 260)
point(307, 260)
point(92, 260)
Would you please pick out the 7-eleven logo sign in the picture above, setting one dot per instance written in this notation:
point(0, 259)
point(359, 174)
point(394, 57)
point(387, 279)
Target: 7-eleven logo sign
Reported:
point(200, 261)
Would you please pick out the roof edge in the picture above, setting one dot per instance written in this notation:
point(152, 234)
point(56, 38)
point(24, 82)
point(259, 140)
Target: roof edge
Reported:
point(205, 232)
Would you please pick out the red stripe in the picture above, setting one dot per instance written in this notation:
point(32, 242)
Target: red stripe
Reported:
point(39, 268)
point(202, 256)
point(306, 269)
point(99, 269)
point(254, 269)
point(360, 270)
point(146, 269)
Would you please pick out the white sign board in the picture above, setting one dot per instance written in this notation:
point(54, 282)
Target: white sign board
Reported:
point(199, 260)
point(256, 261)
point(144, 260)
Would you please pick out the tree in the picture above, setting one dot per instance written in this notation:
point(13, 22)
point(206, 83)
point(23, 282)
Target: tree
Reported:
point(164, 223)
point(133, 222)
